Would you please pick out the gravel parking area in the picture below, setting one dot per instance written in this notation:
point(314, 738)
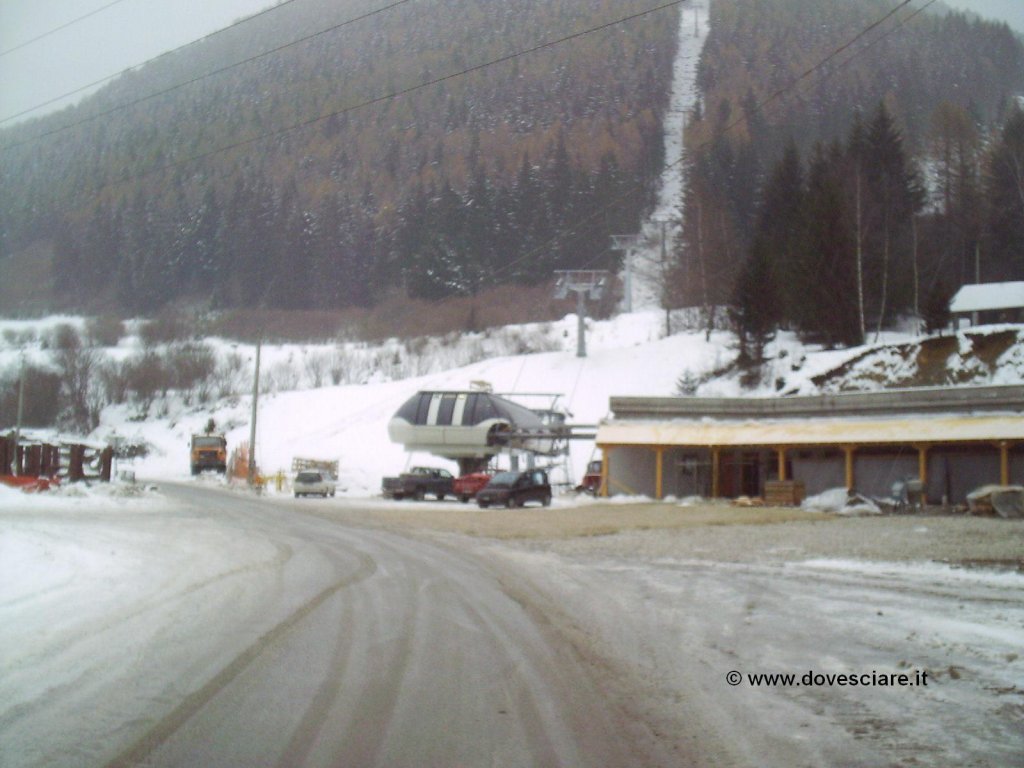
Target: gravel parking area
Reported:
point(964, 540)
point(719, 532)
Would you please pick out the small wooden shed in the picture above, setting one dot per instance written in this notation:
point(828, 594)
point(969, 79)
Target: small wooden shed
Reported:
point(985, 303)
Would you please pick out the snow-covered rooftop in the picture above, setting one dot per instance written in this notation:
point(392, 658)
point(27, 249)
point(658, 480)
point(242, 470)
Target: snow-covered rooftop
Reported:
point(988, 296)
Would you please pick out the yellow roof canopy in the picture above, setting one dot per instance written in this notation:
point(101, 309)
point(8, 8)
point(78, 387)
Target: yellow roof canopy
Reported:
point(989, 428)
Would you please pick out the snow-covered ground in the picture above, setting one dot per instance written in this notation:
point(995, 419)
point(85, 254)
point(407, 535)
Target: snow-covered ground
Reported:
point(672, 613)
point(627, 355)
point(348, 422)
point(956, 635)
point(668, 621)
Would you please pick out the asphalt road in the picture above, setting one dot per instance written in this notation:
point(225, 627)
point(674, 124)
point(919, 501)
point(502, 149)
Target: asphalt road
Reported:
point(354, 647)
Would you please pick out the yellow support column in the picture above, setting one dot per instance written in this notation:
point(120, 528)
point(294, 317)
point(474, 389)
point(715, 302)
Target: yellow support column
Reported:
point(715, 456)
point(1004, 463)
point(848, 452)
point(659, 467)
point(922, 465)
point(782, 463)
point(606, 457)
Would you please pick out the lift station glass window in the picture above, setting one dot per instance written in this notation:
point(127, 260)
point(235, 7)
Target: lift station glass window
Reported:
point(465, 409)
point(445, 410)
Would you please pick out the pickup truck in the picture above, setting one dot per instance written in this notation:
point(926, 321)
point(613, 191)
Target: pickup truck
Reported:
point(418, 483)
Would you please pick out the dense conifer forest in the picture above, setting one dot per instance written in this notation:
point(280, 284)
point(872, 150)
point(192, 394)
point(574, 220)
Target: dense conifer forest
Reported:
point(330, 155)
point(295, 180)
point(837, 202)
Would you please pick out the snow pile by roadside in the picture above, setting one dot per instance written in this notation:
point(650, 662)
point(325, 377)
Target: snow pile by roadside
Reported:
point(841, 502)
point(82, 497)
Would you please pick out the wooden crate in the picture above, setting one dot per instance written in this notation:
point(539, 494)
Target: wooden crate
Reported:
point(783, 493)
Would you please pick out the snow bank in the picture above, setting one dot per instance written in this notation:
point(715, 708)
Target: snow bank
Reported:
point(83, 498)
point(839, 501)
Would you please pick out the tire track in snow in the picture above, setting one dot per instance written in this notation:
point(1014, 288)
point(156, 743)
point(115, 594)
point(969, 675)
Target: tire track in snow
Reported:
point(195, 701)
point(42, 650)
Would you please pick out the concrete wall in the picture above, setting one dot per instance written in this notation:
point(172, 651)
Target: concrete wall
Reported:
point(955, 472)
point(875, 473)
point(1017, 465)
point(631, 471)
point(819, 470)
point(686, 473)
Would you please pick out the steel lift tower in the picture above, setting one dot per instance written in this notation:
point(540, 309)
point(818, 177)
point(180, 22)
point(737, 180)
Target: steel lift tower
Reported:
point(584, 283)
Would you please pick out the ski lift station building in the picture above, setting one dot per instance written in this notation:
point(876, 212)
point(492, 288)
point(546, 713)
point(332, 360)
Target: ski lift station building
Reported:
point(468, 425)
point(951, 440)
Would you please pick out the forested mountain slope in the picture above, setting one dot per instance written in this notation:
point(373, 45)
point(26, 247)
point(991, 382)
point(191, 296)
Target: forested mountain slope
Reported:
point(326, 172)
point(852, 161)
point(913, 61)
point(339, 154)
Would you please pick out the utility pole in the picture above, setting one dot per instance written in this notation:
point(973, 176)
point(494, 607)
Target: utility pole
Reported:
point(584, 283)
point(21, 410)
point(251, 477)
point(666, 292)
point(630, 244)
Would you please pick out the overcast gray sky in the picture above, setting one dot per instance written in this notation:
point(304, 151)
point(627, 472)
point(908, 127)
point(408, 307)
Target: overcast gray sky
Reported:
point(121, 35)
point(124, 33)
point(1010, 11)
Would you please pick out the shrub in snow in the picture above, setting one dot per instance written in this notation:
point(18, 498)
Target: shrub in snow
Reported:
point(144, 378)
point(316, 367)
point(231, 376)
point(104, 331)
point(282, 377)
point(191, 368)
point(40, 406)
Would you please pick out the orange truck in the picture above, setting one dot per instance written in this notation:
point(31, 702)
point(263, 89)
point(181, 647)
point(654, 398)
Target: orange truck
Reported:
point(209, 452)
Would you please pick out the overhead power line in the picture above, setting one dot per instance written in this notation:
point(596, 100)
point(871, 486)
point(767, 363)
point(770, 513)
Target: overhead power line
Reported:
point(574, 232)
point(171, 88)
point(383, 98)
point(581, 226)
point(37, 38)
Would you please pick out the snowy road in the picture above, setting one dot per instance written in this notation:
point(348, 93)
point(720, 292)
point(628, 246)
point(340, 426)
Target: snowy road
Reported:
point(201, 627)
point(221, 630)
point(705, 632)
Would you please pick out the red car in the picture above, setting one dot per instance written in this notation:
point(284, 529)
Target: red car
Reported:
point(467, 486)
point(592, 479)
